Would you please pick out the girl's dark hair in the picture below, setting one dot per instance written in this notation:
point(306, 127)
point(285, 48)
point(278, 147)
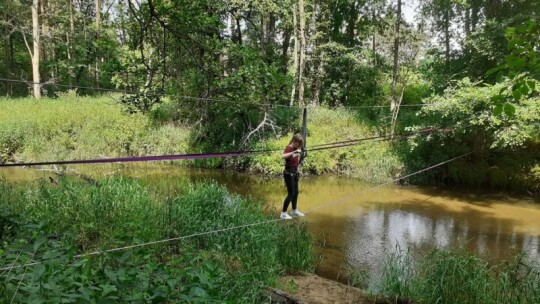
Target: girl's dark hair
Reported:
point(297, 138)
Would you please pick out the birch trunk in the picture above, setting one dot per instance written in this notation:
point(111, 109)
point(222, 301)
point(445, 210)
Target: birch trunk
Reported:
point(36, 45)
point(295, 54)
point(394, 106)
point(302, 64)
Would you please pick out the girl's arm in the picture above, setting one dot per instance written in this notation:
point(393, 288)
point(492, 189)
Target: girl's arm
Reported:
point(289, 154)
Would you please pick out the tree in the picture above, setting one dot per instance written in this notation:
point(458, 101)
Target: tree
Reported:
point(302, 64)
point(521, 69)
point(467, 109)
point(8, 45)
point(442, 14)
point(396, 99)
point(35, 54)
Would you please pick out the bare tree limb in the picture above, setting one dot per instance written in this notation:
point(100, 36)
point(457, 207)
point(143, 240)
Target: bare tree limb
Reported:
point(266, 122)
point(26, 43)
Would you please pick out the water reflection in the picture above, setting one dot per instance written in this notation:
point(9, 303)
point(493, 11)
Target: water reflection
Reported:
point(379, 231)
point(360, 227)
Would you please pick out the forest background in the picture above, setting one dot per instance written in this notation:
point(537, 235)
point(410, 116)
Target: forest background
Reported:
point(88, 78)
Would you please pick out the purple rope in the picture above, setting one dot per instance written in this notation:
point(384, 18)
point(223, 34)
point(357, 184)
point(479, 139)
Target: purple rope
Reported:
point(140, 158)
point(165, 157)
point(333, 145)
point(346, 142)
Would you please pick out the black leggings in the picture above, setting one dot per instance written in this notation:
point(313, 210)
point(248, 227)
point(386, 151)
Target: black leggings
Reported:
point(291, 181)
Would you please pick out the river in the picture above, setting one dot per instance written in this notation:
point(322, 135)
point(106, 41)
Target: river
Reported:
point(355, 226)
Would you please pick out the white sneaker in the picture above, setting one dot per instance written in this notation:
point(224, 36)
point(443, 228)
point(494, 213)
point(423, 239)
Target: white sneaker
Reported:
point(285, 216)
point(296, 212)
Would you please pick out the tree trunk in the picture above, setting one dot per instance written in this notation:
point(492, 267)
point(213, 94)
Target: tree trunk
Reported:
point(447, 35)
point(71, 17)
point(11, 62)
point(239, 31)
point(475, 11)
point(394, 106)
point(122, 24)
point(285, 49)
point(317, 82)
point(70, 44)
point(268, 37)
point(395, 113)
point(317, 57)
point(492, 8)
point(43, 12)
point(98, 15)
point(35, 55)
point(44, 52)
point(271, 42)
point(164, 58)
point(264, 39)
point(464, 46)
point(231, 27)
point(8, 50)
point(351, 26)
point(98, 24)
point(295, 54)
point(302, 20)
point(467, 22)
point(396, 53)
point(373, 42)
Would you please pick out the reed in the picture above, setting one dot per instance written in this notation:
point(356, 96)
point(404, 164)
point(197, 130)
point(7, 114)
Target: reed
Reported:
point(455, 276)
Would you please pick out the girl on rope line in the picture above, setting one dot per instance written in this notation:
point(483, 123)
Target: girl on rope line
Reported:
point(292, 156)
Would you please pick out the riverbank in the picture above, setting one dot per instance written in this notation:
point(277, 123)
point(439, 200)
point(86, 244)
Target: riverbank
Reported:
point(313, 289)
point(74, 127)
point(441, 276)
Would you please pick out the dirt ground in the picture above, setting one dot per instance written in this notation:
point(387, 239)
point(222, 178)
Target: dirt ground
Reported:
point(313, 289)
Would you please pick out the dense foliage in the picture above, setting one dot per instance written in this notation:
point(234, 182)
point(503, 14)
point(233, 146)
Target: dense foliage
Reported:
point(242, 58)
point(50, 223)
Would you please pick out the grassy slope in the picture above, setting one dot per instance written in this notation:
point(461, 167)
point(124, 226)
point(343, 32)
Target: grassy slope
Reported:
point(369, 161)
point(80, 127)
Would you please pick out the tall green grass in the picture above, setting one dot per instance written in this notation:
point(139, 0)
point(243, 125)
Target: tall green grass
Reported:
point(455, 276)
point(74, 127)
point(53, 222)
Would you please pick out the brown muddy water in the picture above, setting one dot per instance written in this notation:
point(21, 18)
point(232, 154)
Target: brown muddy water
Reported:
point(355, 227)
